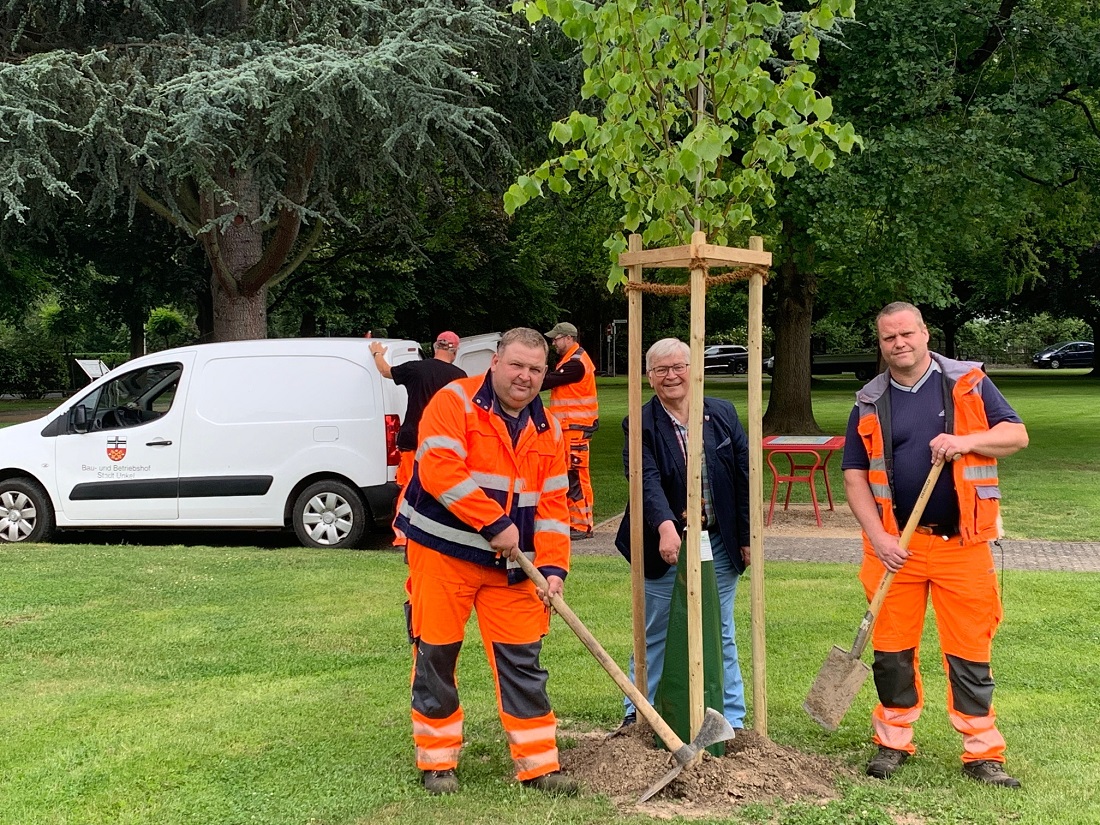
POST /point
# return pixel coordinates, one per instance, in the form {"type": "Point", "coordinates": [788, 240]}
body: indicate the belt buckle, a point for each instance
{"type": "Point", "coordinates": [924, 531]}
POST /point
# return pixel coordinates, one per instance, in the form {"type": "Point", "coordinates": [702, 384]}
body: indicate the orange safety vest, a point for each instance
{"type": "Point", "coordinates": [574, 405]}
{"type": "Point", "coordinates": [469, 483]}
{"type": "Point", "coordinates": [975, 476]}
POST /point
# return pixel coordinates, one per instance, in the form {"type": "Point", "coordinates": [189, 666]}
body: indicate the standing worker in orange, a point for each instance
{"type": "Point", "coordinates": [488, 483]}
{"type": "Point", "coordinates": [572, 385]}
{"type": "Point", "coordinates": [926, 409]}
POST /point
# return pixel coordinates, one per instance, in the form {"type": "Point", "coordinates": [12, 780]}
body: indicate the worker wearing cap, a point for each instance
{"type": "Point", "coordinates": [572, 385]}
{"type": "Point", "coordinates": [421, 379]}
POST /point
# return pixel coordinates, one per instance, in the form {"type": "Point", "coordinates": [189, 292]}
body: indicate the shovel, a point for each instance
{"type": "Point", "coordinates": [843, 673]}
{"type": "Point", "coordinates": [715, 727]}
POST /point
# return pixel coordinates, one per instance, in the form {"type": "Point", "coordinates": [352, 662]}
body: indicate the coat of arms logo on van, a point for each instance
{"type": "Point", "coordinates": [116, 448]}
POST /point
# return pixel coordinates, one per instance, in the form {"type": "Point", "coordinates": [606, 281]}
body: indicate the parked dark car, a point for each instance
{"type": "Point", "coordinates": [726, 358]}
{"type": "Point", "coordinates": [863, 364]}
{"type": "Point", "coordinates": [1065, 354]}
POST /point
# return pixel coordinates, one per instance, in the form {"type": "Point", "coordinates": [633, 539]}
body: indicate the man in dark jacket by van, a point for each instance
{"type": "Point", "coordinates": [422, 380]}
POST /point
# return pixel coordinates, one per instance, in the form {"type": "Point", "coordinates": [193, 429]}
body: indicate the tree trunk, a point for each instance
{"type": "Point", "coordinates": [204, 311]}
{"type": "Point", "coordinates": [950, 339]}
{"type": "Point", "coordinates": [233, 249]}
{"type": "Point", "coordinates": [237, 316]}
{"type": "Point", "coordinates": [790, 411]}
{"type": "Point", "coordinates": [137, 337]}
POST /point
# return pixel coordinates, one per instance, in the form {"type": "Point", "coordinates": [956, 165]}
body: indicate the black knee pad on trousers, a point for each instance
{"type": "Point", "coordinates": [434, 692]}
{"type": "Point", "coordinates": [522, 680]}
{"type": "Point", "coordinates": [574, 493]}
{"type": "Point", "coordinates": [896, 678]}
{"type": "Point", "coordinates": [971, 686]}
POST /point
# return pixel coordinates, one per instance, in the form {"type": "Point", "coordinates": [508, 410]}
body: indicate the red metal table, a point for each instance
{"type": "Point", "coordinates": [806, 456]}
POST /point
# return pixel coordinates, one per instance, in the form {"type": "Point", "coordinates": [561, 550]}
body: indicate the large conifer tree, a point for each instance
{"type": "Point", "coordinates": [239, 121]}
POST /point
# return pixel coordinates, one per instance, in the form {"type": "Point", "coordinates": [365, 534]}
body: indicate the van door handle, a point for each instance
{"type": "Point", "coordinates": [160, 442]}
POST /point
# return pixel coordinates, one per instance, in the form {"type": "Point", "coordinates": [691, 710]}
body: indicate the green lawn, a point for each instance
{"type": "Point", "coordinates": [195, 685]}
{"type": "Point", "coordinates": [1049, 489]}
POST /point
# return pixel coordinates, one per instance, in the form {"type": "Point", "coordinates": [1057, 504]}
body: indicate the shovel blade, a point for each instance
{"type": "Point", "coordinates": [835, 688]}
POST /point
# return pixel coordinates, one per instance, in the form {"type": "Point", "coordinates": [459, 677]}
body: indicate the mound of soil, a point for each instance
{"type": "Point", "coordinates": [754, 769]}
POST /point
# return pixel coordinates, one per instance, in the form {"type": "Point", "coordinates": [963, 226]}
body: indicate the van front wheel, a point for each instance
{"type": "Point", "coordinates": [25, 511]}
{"type": "Point", "coordinates": [329, 514]}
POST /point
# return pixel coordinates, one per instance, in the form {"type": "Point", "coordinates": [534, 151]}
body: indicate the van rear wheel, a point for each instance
{"type": "Point", "coordinates": [25, 511]}
{"type": "Point", "coordinates": [329, 514]}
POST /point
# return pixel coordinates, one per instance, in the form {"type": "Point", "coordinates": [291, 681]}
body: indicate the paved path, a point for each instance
{"type": "Point", "coordinates": [1026, 554]}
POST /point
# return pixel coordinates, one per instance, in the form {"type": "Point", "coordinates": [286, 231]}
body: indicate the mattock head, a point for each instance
{"type": "Point", "coordinates": [715, 728]}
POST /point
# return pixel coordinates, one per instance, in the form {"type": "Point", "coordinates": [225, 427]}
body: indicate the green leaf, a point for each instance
{"type": "Point", "coordinates": [514, 199]}
{"type": "Point", "coordinates": [846, 137]}
{"type": "Point", "coordinates": [823, 108]}
{"type": "Point", "coordinates": [561, 132]}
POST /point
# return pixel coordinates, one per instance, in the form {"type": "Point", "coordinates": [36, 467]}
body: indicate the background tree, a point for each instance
{"type": "Point", "coordinates": [168, 326]}
{"type": "Point", "coordinates": [978, 129]}
{"type": "Point", "coordinates": [239, 122]}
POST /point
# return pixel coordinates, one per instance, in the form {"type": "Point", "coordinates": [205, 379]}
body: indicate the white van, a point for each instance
{"type": "Point", "coordinates": [257, 434]}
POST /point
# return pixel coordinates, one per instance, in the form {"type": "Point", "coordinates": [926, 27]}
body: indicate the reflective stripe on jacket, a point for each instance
{"type": "Point", "coordinates": [574, 405]}
{"type": "Point", "coordinates": [975, 476]}
{"type": "Point", "coordinates": [469, 483]}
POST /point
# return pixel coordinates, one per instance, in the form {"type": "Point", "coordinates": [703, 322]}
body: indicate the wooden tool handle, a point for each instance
{"type": "Point", "coordinates": [865, 626]}
{"type": "Point", "coordinates": [659, 725]}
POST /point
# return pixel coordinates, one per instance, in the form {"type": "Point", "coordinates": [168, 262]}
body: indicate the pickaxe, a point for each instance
{"type": "Point", "coordinates": [715, 728]}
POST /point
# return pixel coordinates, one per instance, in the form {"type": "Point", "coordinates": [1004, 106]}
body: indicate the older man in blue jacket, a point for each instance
{"type": "Point", "coordinates": [664, 505]}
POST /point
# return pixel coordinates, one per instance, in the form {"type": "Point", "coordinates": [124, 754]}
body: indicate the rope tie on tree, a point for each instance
{"type": "Point", "coordinates": [739, 274]}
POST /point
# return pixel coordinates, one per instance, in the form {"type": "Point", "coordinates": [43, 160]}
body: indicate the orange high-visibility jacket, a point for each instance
{"type": "Point", "coordinates": [975, 476]}
{"type": "Point", "coordinates": [574, 405]}
{"type": "Point", "coordinates": [469, 483]}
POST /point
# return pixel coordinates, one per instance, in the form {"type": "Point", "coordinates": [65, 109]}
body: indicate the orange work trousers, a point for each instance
{"type": "Point", "coordinates": [962, 583]}
{"type": "Point", "coordinates": [579, 496]}
{"type": "Point", "coordinates": [512, 621]}
{"type": "Point", "coordinates": [403, 476]}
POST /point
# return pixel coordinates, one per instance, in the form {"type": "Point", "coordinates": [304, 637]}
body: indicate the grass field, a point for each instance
{"type": "Point", "coordinates": [193, 685]}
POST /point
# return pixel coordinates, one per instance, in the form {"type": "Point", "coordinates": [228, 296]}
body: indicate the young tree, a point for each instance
{"type": "Point", "coordinates": [704, 103]}
{"type": "Point", "coordinates": [239, 121]}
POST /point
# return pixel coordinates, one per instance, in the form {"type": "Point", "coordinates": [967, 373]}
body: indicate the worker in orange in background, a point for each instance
{"type": "Point", "coordinates": [488, 483]}
{"type": "Point", "coordinates": [572, 385]}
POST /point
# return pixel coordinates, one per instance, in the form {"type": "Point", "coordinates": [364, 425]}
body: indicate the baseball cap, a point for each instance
{"type": "Point", "coordinates": [562, 328]}
{"type": "Point", "coordinates": [447, 339]}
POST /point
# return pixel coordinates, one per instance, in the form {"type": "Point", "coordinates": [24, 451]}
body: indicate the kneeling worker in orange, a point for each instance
{"type": "Point", "coordinates": [489, 482]}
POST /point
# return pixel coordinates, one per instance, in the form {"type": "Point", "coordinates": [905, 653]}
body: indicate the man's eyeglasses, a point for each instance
{"type": "Point", "coordinates": [675, 369]}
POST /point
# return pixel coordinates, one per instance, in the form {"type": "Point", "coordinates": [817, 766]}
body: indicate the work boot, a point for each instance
{"type": "Point", "coordinates": [885, 762]}
{"type": "Point", "coordinates": [991, 773]}
{"type": "Point", "coordinates": [580, 535]}
{"type": "Point", "coordinates": [438, 783]}
{"type": "Point", "coordinates": [628, 722]}
{"type": "Point", "coordinates": [556, 783]}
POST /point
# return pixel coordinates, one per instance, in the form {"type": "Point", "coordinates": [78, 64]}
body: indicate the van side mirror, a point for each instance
{"type": "Point", "coordinates": [78, 419]}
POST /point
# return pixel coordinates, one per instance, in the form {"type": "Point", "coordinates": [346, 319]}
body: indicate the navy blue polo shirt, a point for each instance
{"type": "Point", "coordinates": [917, 416]}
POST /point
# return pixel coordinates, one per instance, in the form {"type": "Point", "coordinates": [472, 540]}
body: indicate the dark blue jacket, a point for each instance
{"type": "Point", "coordinates": [664, 480]}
